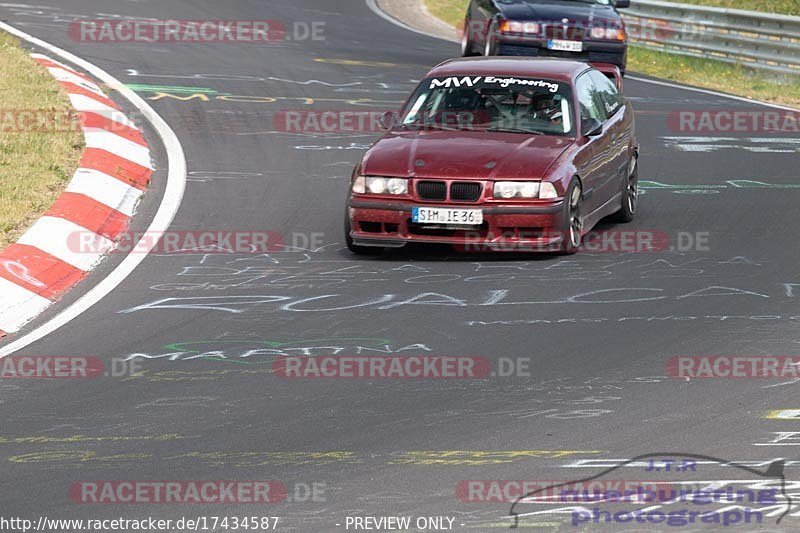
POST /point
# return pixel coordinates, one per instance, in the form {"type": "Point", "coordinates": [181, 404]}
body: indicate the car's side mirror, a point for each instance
{"type": "Point", "coordinates": [591, 127]}
{"type": "Point", "coordinates": [388, 120]}
{"type": "Point", "coordinates": [619, 4]}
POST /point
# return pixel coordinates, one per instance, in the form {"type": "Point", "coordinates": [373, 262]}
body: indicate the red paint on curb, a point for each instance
{"type": "Point", "coordinates": [101, 122]}
{"type": "Point", "coordinates": [38, 271]}
{"type": "Point", "coordinates": [53, 64]}
{"type": "Point", "coordinates": [90, 214]}
{"type": "Point", "coordinates": [41, 274]}
{"type": "Point", "coordinates": [116, 166]}
{"type": "Point", "coordinates": [73, 88]}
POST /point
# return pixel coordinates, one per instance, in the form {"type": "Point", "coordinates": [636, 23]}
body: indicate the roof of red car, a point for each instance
{"type": "Point", "coordinates": [554, 69]}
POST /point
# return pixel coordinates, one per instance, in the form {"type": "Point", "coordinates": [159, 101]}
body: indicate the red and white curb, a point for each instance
{"type": "Point", "coordinates": [112, 175]}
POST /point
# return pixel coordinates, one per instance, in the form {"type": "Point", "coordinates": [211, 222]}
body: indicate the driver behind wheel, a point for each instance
{"type": "Point", "coordinates": [547, 107]}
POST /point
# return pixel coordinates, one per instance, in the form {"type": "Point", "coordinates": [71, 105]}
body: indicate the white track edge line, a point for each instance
{"type": "Point", "coordinates": [170, 203]}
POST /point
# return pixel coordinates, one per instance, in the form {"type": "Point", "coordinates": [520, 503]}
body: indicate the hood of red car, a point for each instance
{"type": "Point", "coordinates": [464, 155]}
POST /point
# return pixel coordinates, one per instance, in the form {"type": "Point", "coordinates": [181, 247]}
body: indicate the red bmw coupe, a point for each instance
{"type": "Point", "coordinates": [499, 154]}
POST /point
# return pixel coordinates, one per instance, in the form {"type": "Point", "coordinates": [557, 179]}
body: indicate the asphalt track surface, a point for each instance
{"type": "Point", "coordinates": [597, 327]}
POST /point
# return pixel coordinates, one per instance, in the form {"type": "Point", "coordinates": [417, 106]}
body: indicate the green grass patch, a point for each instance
{"type": "Point", "coordinates": [35, 166]}
{"type": "Point", "coordinates": [450, 11]}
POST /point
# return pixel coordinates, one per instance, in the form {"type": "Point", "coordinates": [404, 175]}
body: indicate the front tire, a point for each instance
{"type": "Point", "coordinates": [630, 193]}
{"type": "Point", "coordinates": [490, 48]}
{"type": "Point", "coordinates": [467, 44]}
{"type": "Point", "coordinates": [572, 222]}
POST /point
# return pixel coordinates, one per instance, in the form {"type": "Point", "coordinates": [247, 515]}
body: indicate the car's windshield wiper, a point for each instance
{"type": "Point", "coordinates": [515, 130]}
{"type": "Point", "coordinates": [424, 125]}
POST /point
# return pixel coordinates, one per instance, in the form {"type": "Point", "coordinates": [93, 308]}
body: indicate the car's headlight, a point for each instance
{"type": "Point", "coordinates": [380, 185]}
{"type": "Point", "coordinates": [508, 190]}
{"type": "Point", "coordinates": [360, 185]}
{"type": "Point", "coordinates": [516, 189]}
{"type": "Point", "coordinates": [511, 26]}
{"type": "Point", "coordinates": [547, 191]}
{"type": "Point", "coordinates": [608, 34]}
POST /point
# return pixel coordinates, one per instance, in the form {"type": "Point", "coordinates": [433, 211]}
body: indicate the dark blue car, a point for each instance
{"type": "Point", "coordinates": [580, 30]}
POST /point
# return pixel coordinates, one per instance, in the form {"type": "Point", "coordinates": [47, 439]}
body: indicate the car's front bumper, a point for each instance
{"type": "Point", "coordinates": [614, 53]}
{"type": "Point", "coordinates": [504, 228]}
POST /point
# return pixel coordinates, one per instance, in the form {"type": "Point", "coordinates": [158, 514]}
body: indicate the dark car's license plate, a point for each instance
{"type": "Point", "coordinates": [565, 46]}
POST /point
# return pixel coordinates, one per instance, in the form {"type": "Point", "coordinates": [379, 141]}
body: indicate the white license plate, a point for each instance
{"type": "Point", "coordinates": [443, 215]}
{"type": "Point", "coordinates": [565, 46]}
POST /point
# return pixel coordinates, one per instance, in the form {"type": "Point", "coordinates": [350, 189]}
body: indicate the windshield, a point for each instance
{"type": "Point", "coordinates": [489, 103]}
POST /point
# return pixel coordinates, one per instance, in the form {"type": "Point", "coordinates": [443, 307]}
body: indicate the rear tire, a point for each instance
{"type": "Point", "coordinates": [356, 249]}
{"type": "Point", "coordinates": [630, 193]}
{"type": "Point", "coordinates": [572, 225]}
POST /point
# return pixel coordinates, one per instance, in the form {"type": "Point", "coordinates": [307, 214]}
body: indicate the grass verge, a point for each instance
{"type": "Point", "coordinates": [706, 73]}
{"type": "Point", "coordinates": [716, 75]}
{"type": "Point", "coordinates": [450, 11]}
{"type": "Point", "coordinates": [34, 165]}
